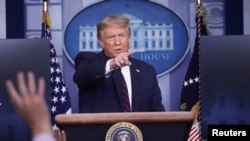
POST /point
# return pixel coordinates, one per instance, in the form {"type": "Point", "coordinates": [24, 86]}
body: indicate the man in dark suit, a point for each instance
{"type": "Point", "coordinates": [98, 75]}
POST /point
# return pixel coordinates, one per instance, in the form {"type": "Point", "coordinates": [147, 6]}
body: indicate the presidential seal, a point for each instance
{"type": "Point", "coordinates": [123, 131]}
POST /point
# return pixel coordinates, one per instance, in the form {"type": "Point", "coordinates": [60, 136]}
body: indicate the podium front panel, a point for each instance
{"type": "Point", "coordinates": [158, 126]}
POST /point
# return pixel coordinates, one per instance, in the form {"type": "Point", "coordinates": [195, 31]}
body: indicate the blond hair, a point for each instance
{"type": "Point", "coordinates": [114, 20]}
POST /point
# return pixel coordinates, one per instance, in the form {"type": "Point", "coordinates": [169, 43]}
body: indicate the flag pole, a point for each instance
{"type": "Point", "coordinates": [198, 45]}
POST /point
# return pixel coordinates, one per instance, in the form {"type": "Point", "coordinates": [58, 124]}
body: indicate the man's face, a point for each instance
{"type": "Point", "coordinates": [115, 40]}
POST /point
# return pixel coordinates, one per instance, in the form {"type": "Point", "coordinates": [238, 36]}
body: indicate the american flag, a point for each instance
{"type": "Point", "coordinates": [60, 98]}
{"type": "Point", "coordinates": [195, 133]}
{"type": "Point", "coordinates": [190, 96]}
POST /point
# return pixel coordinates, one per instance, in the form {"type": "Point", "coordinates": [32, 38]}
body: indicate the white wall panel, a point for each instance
{"type": "Point", "coordinates": [246, 18]}
{"type": "Point", "coordinates": [2, 19]}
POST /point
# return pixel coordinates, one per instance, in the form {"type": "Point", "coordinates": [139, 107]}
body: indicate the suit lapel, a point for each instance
{"type": "Point", "coordinates": [135, 72]}
{"type": "Point", "coordinates": [118, 85]}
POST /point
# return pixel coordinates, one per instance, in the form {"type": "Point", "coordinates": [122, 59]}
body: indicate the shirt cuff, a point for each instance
{"type": "Point", "coordinates": [107, 69]}
{"type": "Point", "coordinates": [44, 137]}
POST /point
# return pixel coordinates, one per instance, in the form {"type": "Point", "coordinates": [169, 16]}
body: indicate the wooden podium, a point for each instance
{"type": "Point", "coordinates": [153, 126]}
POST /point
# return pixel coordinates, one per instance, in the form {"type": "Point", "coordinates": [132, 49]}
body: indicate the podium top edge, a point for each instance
{"type": "Point", "coordinates": [134, 117]}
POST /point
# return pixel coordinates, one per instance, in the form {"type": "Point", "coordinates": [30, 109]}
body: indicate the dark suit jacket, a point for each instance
{"type": "Point", "coordinates": [98, 94]}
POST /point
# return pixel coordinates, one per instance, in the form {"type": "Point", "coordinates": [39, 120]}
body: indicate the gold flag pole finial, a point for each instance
{"type": "Point", "coordinates": [199, 1]}
{"type": "Point", "coordinates": [45, 5]}
{"type": "Point", "coordinates": [45, 15]}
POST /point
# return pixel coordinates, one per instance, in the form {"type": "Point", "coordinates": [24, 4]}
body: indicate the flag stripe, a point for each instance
{"type": "Point", "coordinates": [194, 135]}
